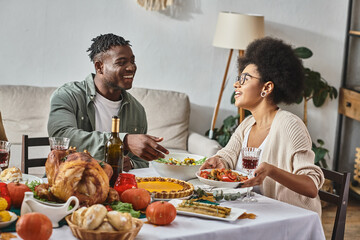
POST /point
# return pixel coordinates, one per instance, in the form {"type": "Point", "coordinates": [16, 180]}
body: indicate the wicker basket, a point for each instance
{"type": "Point", "coordinates": [85, 234]}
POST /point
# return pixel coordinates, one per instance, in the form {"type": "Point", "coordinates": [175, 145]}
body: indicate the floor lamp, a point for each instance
{"type": "Point", "coordinates": [234, 31]}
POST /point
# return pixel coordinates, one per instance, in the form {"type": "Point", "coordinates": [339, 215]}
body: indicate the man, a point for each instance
{"type": "Point", "coordinates": [82, 111]}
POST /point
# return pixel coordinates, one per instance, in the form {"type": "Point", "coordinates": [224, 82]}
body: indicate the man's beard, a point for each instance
{"type": "Point", "coordinates": [113, 85]}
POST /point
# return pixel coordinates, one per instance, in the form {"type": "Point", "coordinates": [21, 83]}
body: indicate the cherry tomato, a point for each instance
{"type": "Point", "coordinates": [204, 174]}
{"type": "Point", "coordinates": [108, 208]}
{"type": "Point", "coordinates": [232, 176]}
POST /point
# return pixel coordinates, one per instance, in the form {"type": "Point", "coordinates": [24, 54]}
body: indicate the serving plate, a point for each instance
{"type": "Point", "coordinates": [210, 189]}
{"type": "Point", "coordinates": [28, 178]}
{"type": "Point", "coordinates": [234, 214]}
{"type": "Point", "coordinates": [219, 184]}
{"type": "Point", "coordinates": [13, 218]}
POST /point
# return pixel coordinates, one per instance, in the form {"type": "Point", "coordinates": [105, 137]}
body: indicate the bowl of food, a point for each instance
{"type": "Point", "coordinates": [181, 166]}
{"type": "Point", "coordinates": [221, 178]}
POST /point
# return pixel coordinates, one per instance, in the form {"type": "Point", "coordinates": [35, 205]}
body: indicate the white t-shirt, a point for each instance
{"type": "Point", "coordinates": [239, 162]}
{"type": "Point", "coordinates": [104, 110]}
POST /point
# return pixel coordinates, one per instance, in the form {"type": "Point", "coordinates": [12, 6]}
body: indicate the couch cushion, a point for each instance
{"type": "Point", "coordinates": [25, 110]}
{"type": "Point", "coordinates": [168, 114]}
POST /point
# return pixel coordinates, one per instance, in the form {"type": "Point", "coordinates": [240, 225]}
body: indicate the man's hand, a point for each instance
{"type": "Point", "coordinates": [213, 162]}
{"type": "Point", "coordinates": [127, 164]}
{"type": "Point", "coordinates": [145, 146]}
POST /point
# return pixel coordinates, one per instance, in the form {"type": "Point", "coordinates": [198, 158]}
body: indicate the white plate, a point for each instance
{"type": "Point", "coordinates": [234, 214]}
{"type": "Point", "coordinates": [219, 184]}
{"type": "Point", "coordinates": [210, 189]}
{"type": "Point", "coordinates": [13, 218]}
{"type": "Point", "coordinates": [28, 178]}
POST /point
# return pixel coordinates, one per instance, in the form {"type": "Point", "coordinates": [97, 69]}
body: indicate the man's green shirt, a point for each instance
{"type": "Point", "coordinates": [72, 115]}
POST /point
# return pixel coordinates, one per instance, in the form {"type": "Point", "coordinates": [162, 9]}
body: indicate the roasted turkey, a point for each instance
{"type": "Point", "coordinates": [77, 174]}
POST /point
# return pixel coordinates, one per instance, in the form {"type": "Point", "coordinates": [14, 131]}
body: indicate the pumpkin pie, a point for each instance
{"type": "Point", "coordinates": [165, 188]}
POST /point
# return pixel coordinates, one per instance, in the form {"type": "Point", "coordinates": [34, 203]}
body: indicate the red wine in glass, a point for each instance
{"type": "Point", "coordinates": [59, 148]}
{"type": "Point", "coordinates": [250, 162]}
{"type": "Point", "coordinates": [4, 159]}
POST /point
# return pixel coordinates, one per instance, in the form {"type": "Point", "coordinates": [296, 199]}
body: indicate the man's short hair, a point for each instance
{"type": "Point", "coordinates": [104, 42]}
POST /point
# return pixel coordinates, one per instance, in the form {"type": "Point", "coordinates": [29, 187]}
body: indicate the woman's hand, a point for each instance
{"type": "Point", "coordinates": [213, 162]}
{"type": "Point", "coordinates": [261, 172]}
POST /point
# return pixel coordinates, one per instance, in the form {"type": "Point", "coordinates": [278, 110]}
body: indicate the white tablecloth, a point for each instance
{"type": "Point", "coordinates": [275, 220]}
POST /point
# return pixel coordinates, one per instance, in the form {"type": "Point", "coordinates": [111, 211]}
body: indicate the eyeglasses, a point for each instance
{"type": "Point", "coordinates": [244, 77]}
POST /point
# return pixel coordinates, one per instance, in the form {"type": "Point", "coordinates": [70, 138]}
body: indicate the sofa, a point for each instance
{"type": "Point", "coordinates": [25, 110]}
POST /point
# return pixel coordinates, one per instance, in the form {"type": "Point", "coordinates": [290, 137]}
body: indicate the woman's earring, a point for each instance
{"type": "Point", "coordinates": [263, 94]}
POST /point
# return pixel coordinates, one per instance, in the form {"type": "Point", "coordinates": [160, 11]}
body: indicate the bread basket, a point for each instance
{"type": "Point", "coordinates": [85, 234]}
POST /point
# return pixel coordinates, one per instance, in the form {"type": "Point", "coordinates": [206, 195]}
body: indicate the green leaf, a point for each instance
{"type": "Point", "coordinates": [321, 142]}
{"type": "Point", "coordinates": [319, 98]}
{"type": "Point", "coordinates": [232, 99]}
{"type": "Point", "coordinates": [303, 52]}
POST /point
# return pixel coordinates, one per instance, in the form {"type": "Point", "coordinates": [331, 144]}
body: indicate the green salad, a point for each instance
{"type": "Point", "coordinates": [125, 207]}
{"type": "Point", "coordinates": [187, 161]}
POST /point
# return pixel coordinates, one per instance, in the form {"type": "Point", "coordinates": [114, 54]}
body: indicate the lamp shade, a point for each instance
{"type": "Point", "coordinates": [236, 31]}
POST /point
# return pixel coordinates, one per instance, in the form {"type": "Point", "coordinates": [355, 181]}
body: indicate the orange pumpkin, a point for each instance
{"type": "Point", "coordinates": [161, 213]}
{"type": "Point", "coordinates": [34, 226]}
{"type": "Point", "coordinates": [139, 198]}
{"type": "Point", "coordinates": [17, 192]}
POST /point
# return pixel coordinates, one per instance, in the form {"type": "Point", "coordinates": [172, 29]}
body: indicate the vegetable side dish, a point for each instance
{"type": "Point", "coordinates": [225, 175]}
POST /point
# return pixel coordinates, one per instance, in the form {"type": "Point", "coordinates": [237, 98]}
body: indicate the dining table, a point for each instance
{"type": "Point", "coordinates": [274, 220]}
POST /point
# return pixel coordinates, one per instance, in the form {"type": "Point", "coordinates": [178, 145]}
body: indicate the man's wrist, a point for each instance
{"type": "Point", "coordinates": [132, 164]}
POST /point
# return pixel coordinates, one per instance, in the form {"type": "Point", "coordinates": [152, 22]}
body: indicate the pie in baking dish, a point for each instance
{"type": "Point", "coordinates": [165, 188]}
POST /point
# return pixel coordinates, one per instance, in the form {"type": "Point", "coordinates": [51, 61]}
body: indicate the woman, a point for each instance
{"type": "Point", "coordinates": [271, 74]}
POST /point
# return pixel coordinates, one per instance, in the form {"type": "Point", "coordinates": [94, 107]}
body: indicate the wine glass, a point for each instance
{"type": "Point", "coordinates": [250, 160]}
{"type": "Point", "coordinates": [4, 154]}
{"type": "Point", "coordinates": [59, 143]}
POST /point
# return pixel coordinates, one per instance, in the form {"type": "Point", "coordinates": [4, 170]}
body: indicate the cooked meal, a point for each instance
{"type": "Point", "coordinates": [203, 208]}
{"type": "Point", "coordinates": [186, 161]}
{"type": "Point", "coordinates": [225, 175]}
{"type": "Point", "coordinates": [72, 173]}
{"type": "Point", "coordinates": [165, 187]}
{"type": "Point", "coordinates": [12, 174]}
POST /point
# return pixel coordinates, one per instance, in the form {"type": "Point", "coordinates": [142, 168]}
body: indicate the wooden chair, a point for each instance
{"type": "Point", "coordinates": [341, 183]}
{"type": "Point", "coordinates": [27, 162]}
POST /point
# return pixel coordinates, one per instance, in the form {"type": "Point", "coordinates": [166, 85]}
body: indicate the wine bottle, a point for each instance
{"type": "Point", "coordinates": [114, 150]}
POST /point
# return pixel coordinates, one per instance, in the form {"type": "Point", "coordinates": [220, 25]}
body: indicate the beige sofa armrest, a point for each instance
{"type": "Point", "coordinates": [202, 145]}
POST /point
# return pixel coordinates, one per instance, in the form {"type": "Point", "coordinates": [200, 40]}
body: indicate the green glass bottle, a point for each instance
{"type": "Point", "coordinates": [114, 153]}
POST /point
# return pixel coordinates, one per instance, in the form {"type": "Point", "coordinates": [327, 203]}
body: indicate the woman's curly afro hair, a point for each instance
{"type": "Point", "coordinates": [276, 62]}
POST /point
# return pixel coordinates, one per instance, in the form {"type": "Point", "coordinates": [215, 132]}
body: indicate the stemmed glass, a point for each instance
{"type": "Point", "coordinates": [4, 154]}
{"type": "Point", "coordinates": [59, 143]}
{"type": "Point", "coordinates": [250, 160]}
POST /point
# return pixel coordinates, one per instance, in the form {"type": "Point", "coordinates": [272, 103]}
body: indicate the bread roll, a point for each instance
{"type": "Point", "coordinates": [94, 216]}
{"type": "Point", "coordinates": [78, 216]}
{"type": "Point", "coordinates": [120, 221]}
{"type": "Point", "coordinates": [106, 227]}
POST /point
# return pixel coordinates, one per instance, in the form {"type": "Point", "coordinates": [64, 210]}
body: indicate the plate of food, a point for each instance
{"type": "Point", "coordinates": [204, 210]}
{"type": "Point", "coordinates": [14, 174]}
{"type": "Point", "coordinates": [221, 178]}
{"type": "Point", "coordinates": [7, 223]}
{"type": "Point", "coordinates": [181, 166]}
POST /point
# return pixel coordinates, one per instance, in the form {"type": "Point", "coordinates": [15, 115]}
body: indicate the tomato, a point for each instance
{"type": "Point", "coordinates": [109, 208]}
{"type": "Point", "coordinates": [225, 178]}
{"type": "Point", "coordinates": [204, 174]}
{"type": "Point", "coordinates": [4, 193]}
{"type": "Point", "coordinates": [232, 176]}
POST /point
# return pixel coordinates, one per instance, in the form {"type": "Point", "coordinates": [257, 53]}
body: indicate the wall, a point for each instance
{"type": "Point", "coordinates": [44, 43]}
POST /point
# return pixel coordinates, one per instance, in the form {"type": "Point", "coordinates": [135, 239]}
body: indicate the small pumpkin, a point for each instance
{"type": "Point", "coordinates": [34, 226]}
{"type": "Point", "coordinates": [138, 197]}
{"type": "Point", "coordinates": [161, 213]}
{"type": "Point", "coordinates": [17, 192]}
